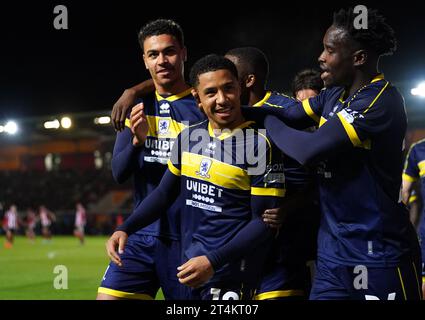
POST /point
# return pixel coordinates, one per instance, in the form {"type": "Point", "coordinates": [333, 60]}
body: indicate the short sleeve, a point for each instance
{"type": "Point", "coordinates": [411, 170]}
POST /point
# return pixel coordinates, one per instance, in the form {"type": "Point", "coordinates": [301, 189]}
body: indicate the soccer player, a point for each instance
{"type": "Point", "coordinates": [80, 222]}
{"type": "Point", "coordinates": [286, 275]}
{"type": "Point", "coordinates": [141, 151]}
{"type": "Point", "coordinates": [414, 171]}
{"type": "Point", "coordinates": [222, 229]}
{"type": "Point", "coordinates": [367, 247]}
{"type": "Point", "coordinates": [307, 84]}
{"type": "Point", "coordinates": [30, 223]}
{"type": "Point", "coordinates": [11, 225]}
{"type": "Point", "coordinates": [46, 219]}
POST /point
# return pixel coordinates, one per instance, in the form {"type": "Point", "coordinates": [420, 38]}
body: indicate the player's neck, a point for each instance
{"type": "Point", "coordinates": [172, 89]}
{"type": "Point", "coordinates": [230, 126]}
{"type": "Point", "coordinates": [256, 95]}
{"type": "Point", "coordinates": [361, 79]}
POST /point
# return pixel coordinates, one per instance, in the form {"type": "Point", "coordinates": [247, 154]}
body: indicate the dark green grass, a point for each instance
{"type": "Point", "coordinates": [27, 269]}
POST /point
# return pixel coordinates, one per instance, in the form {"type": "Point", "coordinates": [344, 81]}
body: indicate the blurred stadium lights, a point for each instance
{"type": "Point", "coordinates": [11, 127]}
{"type": "Point", "coordinates": [102, 120]}
{"type": "Point", "coordinates": [419, 90]}
{"type": "Point", "coordinates": [1, 129]}
{"type": "Point", "coordinates": [66, 122]}
{"type": "Point", "coordinates": [54, 124]}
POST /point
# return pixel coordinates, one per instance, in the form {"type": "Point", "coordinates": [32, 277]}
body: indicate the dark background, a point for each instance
{"type": "Point", "coordinates": [45, 71]}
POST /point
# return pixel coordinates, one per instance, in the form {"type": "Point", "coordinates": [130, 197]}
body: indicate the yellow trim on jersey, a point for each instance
{"type": "Point", "coordinates": [173, 169]}
{"type": "Point", "coordinates": [272, 192]}
{"type": "Point", "coordinates": [412, 198]}
{"type": "Point", "coordinates": [268, 142]}
{"type": "Point", "coordinates": [376, 98]}
{"type": "Point", "coordinates": [125, 295]}
{"type": "Point", "coordinates": [262, 101]}
{"type": "Point", "coordinates": [309, 110]}
{"type": "Point", "coordinates": [226, 133]}
{"type": "Point", "coordinates": [417, 280]}
{"type": "Point", "coordinates": [402, 283]}
{"type": "Point", "coordinates": [128, 123]}
{"type": "Point", "coordinates": [279, 294]}
{"type": "Point", "coordinates": [173, 97]}
{"type": "Point", "coordinates": [272, 105]}
{"type": "Point", "coordinates": [378, 77]}
{"type": "Point", "coordinates": [322, 121]}
{"type": "Point", "coordinates": [421, 166]}
{"type": "Point", "coordinates": [219, 173]}
{"type": "Point", "coordinates": [351, 132]}
{"type": "Point", "coordinates": [408, 178]}
{"type": "Point", "coordinates": [174, 127]}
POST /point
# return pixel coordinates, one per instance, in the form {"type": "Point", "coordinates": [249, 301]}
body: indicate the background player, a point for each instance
{"type": "Point", "coordinates": [47, 217]}
{"type": "Point", "coordinates": [80, 222]}
{"type": "Point", "coordinates": [413, 173]}
{"type": "Point", "coordinates": [11, 225]}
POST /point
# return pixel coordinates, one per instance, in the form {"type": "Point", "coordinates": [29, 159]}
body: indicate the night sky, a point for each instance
{"type": "Point", "coordinates": [45, 71]}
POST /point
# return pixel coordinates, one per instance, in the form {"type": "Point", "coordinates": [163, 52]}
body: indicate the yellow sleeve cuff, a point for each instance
{"type": "Point", "coordinates": [309, 110]}
{"type": "Point", "coordinates": [272, 192]}
{"type": "Point", "coordinates": [173, 169]}
{"type": "Point", "coordinates": [406, 177]}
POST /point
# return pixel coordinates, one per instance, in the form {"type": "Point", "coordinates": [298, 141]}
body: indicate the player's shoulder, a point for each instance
{"type": "Point", "coordinates": [419, 145]}
{"type": "Point", "coordinates": [279, 99]}
{"type": "Point", "coordinates": [257, 129]}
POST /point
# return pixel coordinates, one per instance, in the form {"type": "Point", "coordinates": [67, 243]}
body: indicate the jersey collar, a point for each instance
{"type": "Point", "coordinates": [262, 101]}
{"type": "Point", "coordinates": [173, 97]}
{"type": "Point", "coordinates": [227, 133]}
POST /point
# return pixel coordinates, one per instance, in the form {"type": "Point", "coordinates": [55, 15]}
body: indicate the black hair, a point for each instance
{"type": "Point", "coordinates": [211, 62]}
{"type": "Point", "coordinates": [379, 36]}
{"type": "Point", "coordinates": [254, 61]}
{"type": "Point", "coordinates": [307, 79]}
{"type": "Point", "coordinates": [161, 26]}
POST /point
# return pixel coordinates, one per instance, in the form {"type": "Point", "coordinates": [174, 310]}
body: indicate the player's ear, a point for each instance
{"type": "Point", "coordinates": [359, 58]}
{"type": "Point", "coordinates": [250, 80]}
{"type": "Point", "coordinates": [196, 96]}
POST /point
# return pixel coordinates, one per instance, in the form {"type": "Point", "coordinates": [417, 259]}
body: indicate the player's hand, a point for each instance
{"type": "Point", "coordinates": [139, 124]}
{"type": "Point", "coordinates": [274, 218]}
{"type": "Point", "coordinates": [195, 272]}
{"type": "Point", "coordinates": [117, 240]}
{"type": "Point", "coordinates": [120, 108]}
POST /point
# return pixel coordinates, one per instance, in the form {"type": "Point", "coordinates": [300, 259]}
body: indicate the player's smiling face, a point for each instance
{"type": "Point", "coordinates": [219, 97]}
{"type": "Point", "coordinates": [336, 60]}
{"type": "Point", "coordinates": [164, 58]}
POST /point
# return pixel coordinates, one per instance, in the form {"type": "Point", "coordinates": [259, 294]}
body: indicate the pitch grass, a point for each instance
{"type": "Point", "coordinates": [27, 269]}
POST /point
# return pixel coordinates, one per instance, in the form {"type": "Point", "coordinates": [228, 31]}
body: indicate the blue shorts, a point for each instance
{"type": "Point", "coordinates": [338, 282]}
{"type": "Point", "coordinates": [149, 263]}
{"type": "Point", "coordinates": [284, 282]}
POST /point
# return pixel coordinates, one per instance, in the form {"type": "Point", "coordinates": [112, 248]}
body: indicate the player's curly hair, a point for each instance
{"type": "Point", "coordinates": [211, 62]}
{"type": "Point", "coordinates": [379, 36]}
{"type": "Point", "coordinates": [161, 26]}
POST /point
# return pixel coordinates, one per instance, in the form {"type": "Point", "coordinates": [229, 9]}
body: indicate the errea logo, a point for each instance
{"type": "Point", "coordinates": [164, 108]}
{"type": "Point", "coordinates": [204, 168]}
